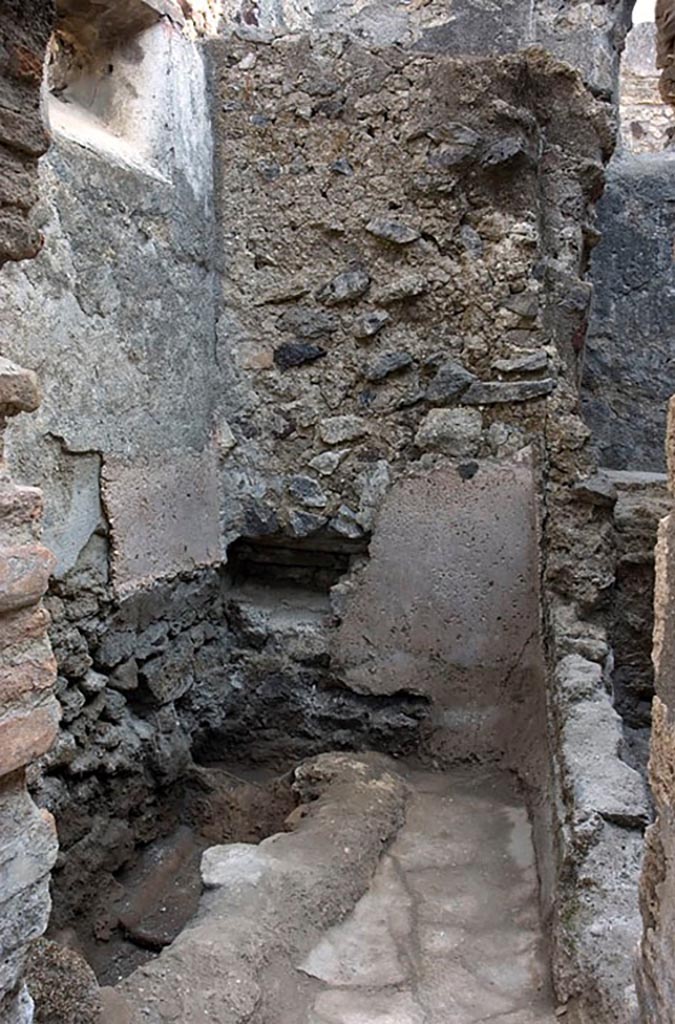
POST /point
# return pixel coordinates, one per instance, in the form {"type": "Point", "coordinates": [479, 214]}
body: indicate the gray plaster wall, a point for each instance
{"type": "Point", "coordinates": [448, 605]}
{"type": "Point", "coordinates": [629, 367]}
{"type": "Point", "coordinates": [117, 318]}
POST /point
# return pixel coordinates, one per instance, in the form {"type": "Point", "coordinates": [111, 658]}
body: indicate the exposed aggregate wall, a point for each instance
{"type": "Point", "coordinates": [384, 281]}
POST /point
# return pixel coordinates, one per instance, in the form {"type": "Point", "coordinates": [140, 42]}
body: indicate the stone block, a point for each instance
{"type": "Point", "coordinates": [528, 362]}
{"type": "Point", "coordinates": [601, 782]}
{"type": "Point", "coordinates": [26, 736]}
{"type": "Point", "coordinates": [24, 917]}
{"type": "Point", "coordinates": [29, 844]}
{"type": "Point", "coordinates": [24, 575]}
{"type": "Point", "coordinates": [451, 380]}
{"type": "Point", "coordinates": [503, 393]}
{"type": "Point", "coordinates": [307, 491]}
{"type": "Point", "coordinates": [392, 231]}
{"type": "Point", "coordinates": [577, 679]}
{"type": "Point", "coordinates": [455, 432]}
{"type": "Point", "coordinates": [366, 326]}
{"type": "Point", "coordinates": [23, 626]}
{"type": "Point", "coordinates": [26, 671]}
{"type": "Point", "coordinates": [452, 580]}
{"type": "Point", "coordinates": [23, 131]}
{"type": "Point", "coordinates": [388, 364]}
{"type": "Point", "coordinates": [670, 446]}
{"type": "Point", "coordinates": [297, 353]}
{"type": "Point", "coordinates": [304, 524]}
{"type": "Point", "coordinates": [308, 323]}
{"type": "Point", "coordinates": [338, 429]}
{"type": "Point", "coordinates": [663, 653]}
{"type": "Point", "coordinates": [344, 288]}
{"type": "Point", "coordinates": [20, 507]}
{"type": "Point", "coordinates": [170, 675]}
{"type": "Point", "coordinates": [19, 389]}
{"type": "Point", "coordinates": [597, 490]}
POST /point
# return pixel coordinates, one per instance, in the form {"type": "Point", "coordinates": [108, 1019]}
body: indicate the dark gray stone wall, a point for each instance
{"type": "Point", "coordinates": [629, 373]}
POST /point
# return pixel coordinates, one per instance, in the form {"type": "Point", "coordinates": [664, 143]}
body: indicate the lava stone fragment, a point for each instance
{"type": "Point", "coordinates": [259, 520]}
{"type": "Point", "coordinates": [504, 151]}
{"type": "Point", "coordinates": [528, 362]}
{"type": "Point", "coordinates": [388, 364]}
{"type": "Point", "coordinates": [498, 393]}
{"type": "Point", "coordinates": [296, 353]}
{"type": "Point", "coordinates": [307, 323]}
{"type": "Point", "coordinates": [449, 383]}
{"type": "Point", "coordinates": [342, 166]}
{"type": "Point", "coordinates": [304, 524]}
{"type": "Point", "coordinates": [524, 304]}
{"type": "Point", "coordinates": [348, 286]}
{"type": "Point", "coordinates": [370, 324]}
{"type": "Point", "coordinates": [392, 231]}
{"type": "Point", "coordinates": [307, 491]}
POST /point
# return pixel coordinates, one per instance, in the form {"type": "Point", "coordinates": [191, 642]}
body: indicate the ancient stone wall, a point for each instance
{"type": "Point", "coordinates": [586, 36]}
{"type": "Point", "coordinates": [405, 294]}
{"type": "Point", "coordinates": [656, 966]}
{"type": "Point", "coordinates": [628, 353]}
{"type": "Point", "coordinates": [117, 317]}
{"type": "Point", "coordinates": [386, 300]}
{"type": "Point", "coordinates": [407, 324]}
{"type": "Point", "coordinates": [29, 714]}
{"type": "Point", "coordinates": [645, 118]}
{"type": "Point", "coordinates": [642, 501]}
{"type": "Point", "coordinates": [24, 34]}
{"type": "Point", "coordinates": [665, 38]}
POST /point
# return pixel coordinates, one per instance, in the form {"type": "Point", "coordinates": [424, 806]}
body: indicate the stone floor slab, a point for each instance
{"type": "Point", "coordinates": [449, 931]}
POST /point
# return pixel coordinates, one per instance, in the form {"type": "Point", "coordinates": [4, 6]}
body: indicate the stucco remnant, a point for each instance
{"type": "Point", "coordinates": [452, 548]}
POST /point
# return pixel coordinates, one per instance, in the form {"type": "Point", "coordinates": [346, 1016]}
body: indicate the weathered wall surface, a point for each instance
{"type": "Point", "coordinates": [665, 38]}
{"type": "Point", "coordinates": [23, 35]}
{"type": "Point", "coordinates": [411, 320]}
{"type": "Point", "coordinates": [400, 252]}
{"type": "Point", "coordinates": [405, 292]}
{"type": "Point", "coordinates": [587, 36]}
{"type": "Point", "coordinates": [29, 714]}
{"type": "Point", "coordinates": [628, 363]}
{"type": "Point", "coordinates": [645, 118]}
{"type": "Point", "coordinates": [448, 605]}
{"type": "Point", "coordinates": [642, 501]}
{"type": "Point", "coordinates": [656, 966]}
{"type": "Point", "coordinates": [116, 315]}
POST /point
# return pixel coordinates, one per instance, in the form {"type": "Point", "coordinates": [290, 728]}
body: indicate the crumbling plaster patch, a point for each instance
{"type": "Point", "coordinates": [117, 314]}
{"type": "Point", "coordinates": [448, 605]}
{"type": "Point", "coordinates": [164, 516]}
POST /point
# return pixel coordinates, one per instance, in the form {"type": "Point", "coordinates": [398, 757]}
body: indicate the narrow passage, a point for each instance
{"type": "Point", "coordinates": [449, 931]}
